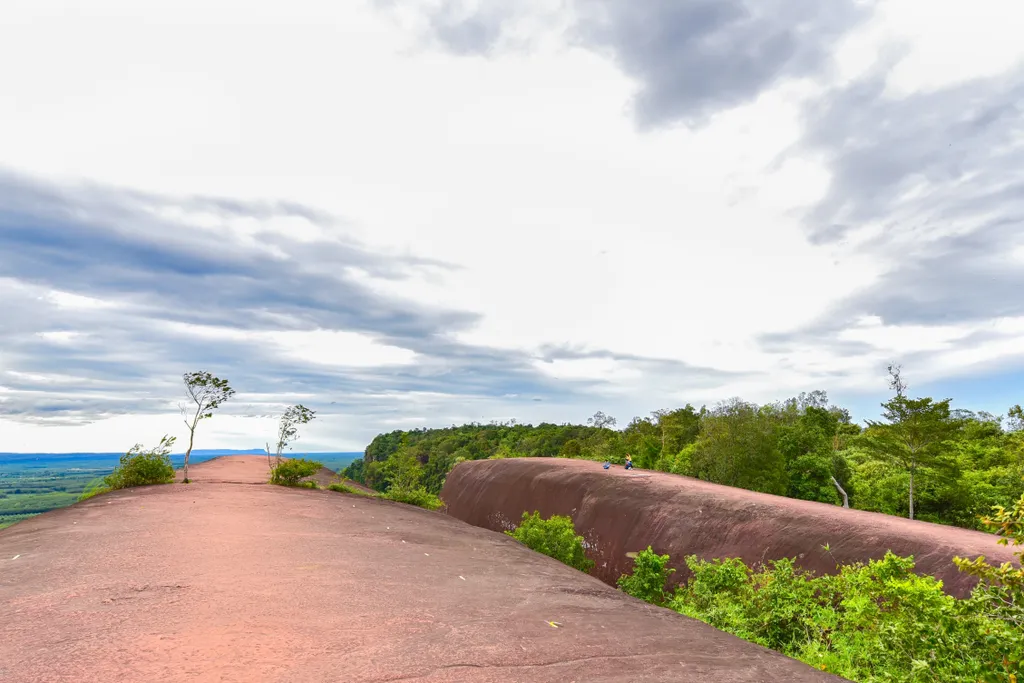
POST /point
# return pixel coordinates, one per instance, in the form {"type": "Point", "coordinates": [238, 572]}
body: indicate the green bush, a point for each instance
{"type": "Point", "coordinates": [871, 623]}
{"type": "Point", "coordinates": [555, 537]}
{"type": "Point", "coordinates": [138, 468]}
{"type": "Point", "coordinates": [290, 472]}
{"type": "Point", "coordinates": [647, 581]}
{"type": "Point", "coordinates": [414, 496]}
{"type": "Point", "coordinates": [1001, 589]}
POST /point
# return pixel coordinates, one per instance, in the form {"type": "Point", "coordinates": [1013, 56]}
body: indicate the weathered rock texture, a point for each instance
{"type": "Point", "coordinates": [231, 579]}
{"type": "Point", "coordinates": [620, 512]}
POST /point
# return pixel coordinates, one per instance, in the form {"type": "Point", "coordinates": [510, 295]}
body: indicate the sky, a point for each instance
{"type": "Point", "coordinates": [408, 214]}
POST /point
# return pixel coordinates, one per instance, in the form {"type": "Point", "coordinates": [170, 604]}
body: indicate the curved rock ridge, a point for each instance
{"type": "Point", "coordinates": [619, 512]}
{"type": "Point", "coordinates": [247, 582]}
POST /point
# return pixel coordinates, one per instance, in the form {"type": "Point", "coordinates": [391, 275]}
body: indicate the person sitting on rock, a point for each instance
{"type": "Point", "coordinates": [629, 461]}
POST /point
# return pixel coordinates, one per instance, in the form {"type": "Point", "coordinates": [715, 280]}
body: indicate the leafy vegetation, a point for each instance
{"type": "Point", "coordinates": [877, 622]}
{"type": "Point", "coordinates": [414, 496]}
{"type": "Point", "coordinates": [343, 486]}
{"type": "Point", "coordinates": [555, 537]}
{"type": "Point", "coordinates": [648, 578]}
{"type": "Point", "coordinates": [871, 623]}
{"type": "Point", "coordinates": [138, 467]}
{"type": "Point", "coordinates": [292, 471]}
{"type": "Point", "coordinates": [1002, 587]}
{"type": "Point", "coordinates": [922, 459]}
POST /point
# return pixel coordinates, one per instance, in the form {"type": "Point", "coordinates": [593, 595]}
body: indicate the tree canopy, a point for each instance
{"type": "Point", "coordinates": [921, 458]}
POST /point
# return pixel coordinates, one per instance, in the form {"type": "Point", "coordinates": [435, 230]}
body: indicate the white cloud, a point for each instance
{"type": "Point", "coordinates": [323, 347]}
{"type": "Point", "coordinates": [524, 169]}
{"type": "Point", "coordinates": [938, 45]}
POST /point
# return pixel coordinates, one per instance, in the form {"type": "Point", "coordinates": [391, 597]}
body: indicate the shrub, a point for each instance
{"type": "Point", "coordinates": [138, 468]}
{"type": "Point", "coordinates": [647, 581]}
{"type": "Point", "coordinates": [290, 472]}
{"type": "Point", "coordinates": [555, 537]}
{"type": "Point", "coordinates": [571, 449]}
{"type": "Point", "coordinates": [869, 623]}
{"type": "Point", "coordinates": [414, 496]}
{"type": "Point", "coordinates": [1001, 588]}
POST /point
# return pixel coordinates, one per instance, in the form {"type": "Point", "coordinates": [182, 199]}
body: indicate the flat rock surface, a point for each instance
{"type": "Point", "coordinates": [621, 512]}
{"type": "Point", "coordinates": [230, 579]}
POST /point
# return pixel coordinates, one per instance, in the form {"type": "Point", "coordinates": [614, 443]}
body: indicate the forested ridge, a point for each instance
{"type": "Point", "coordinates": [921, 458]}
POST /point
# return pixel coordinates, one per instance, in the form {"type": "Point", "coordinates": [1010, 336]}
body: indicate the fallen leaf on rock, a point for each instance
{"type": "Point", "coordinates": [463, 578]}
{"type": "Point", "coordinates": [555, 624]}
{"type": "Point", "coordinates": [15, 557]}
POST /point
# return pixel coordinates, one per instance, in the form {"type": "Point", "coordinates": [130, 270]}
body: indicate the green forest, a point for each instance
{"type": "Point", "coordinates": [921, 458]}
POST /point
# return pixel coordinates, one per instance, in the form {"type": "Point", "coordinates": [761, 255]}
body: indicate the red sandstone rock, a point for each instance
{"type": "Point", "coordinates": [621, 511]}
{"type": "Point", "coordinates": [231, 579]}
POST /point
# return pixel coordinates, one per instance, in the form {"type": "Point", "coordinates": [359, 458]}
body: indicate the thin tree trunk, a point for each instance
{"type": "Point", "coordinates": [191, 439]}
{"type": "Point", "coordinates": [846, 499]}
{"type": "Point", "coordinates": [911, 494]}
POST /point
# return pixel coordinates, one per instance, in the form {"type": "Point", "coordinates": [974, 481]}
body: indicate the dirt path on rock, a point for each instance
{"type": "Point", "coordinates": [230, 579]}
{"type": "Point", "coordinates": [253, 469]}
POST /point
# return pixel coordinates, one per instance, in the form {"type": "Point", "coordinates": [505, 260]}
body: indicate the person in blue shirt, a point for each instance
{"type": "Point", "coordinates": [629, 461]}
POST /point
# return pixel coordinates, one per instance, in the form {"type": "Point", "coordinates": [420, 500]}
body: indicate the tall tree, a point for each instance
{"type": "Point", "coordinates": [679, 428]}
{"type": "Point", "coordinates": [601, 421]}
{"type": "Point", "coordinates": [738, 446]}
{"type": "Point", "coordinates": [913, 433]}
{"type": "Point", "coordinates": [1016, 418]}
{"type": "Point", "coordinates": [206, 393]}
{"type": "Point", "coordinates": [642, 440]}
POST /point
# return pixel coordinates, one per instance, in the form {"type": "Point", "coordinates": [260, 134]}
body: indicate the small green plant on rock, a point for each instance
{"type": "Point", "coordinates": [343, 485]}
{"type": "Point", "coordinates": [419, 497]}
{"type": "Point", "coordinates": [292, 471]}
{"type": "Point", "coordinates": [649, 576]}
{"type": "Point", "coordinates": [555, 537]}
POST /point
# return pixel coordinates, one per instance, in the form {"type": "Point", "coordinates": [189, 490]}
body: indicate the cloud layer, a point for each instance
{"type": "Point", "coordinates": [433, 211]}
{"type": "Point", "coordinates": [109, 295]}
